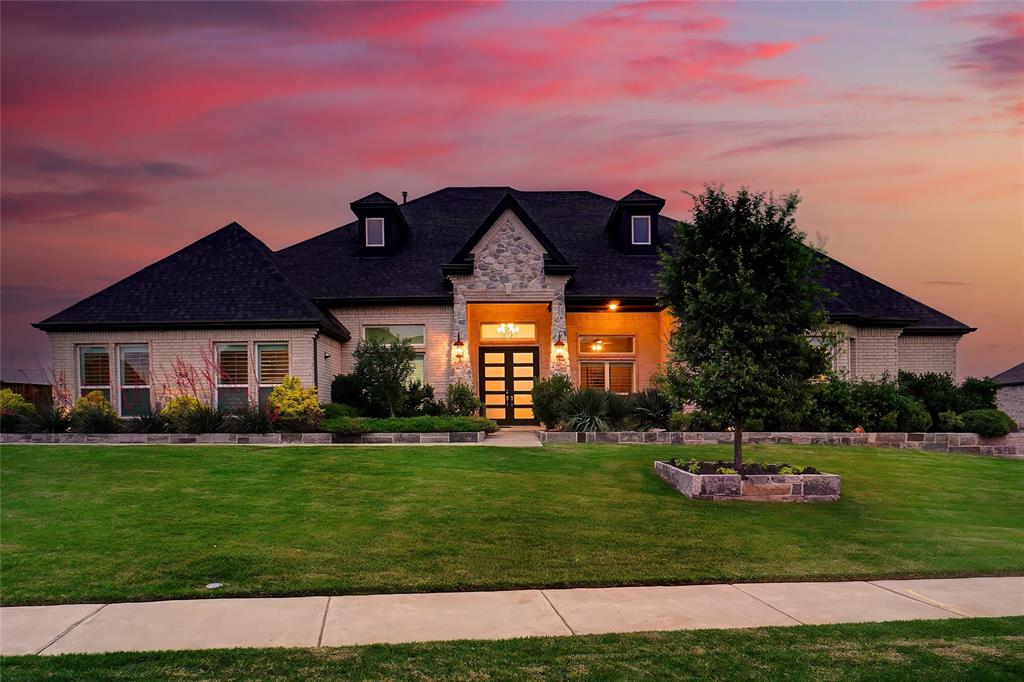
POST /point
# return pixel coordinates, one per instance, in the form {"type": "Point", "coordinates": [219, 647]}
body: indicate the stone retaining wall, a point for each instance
{"type": "Point", "coordinates": [1011, 445]}
{"type": "Point", "coordinates": [243, 438]}
{"type": "Point", "coordinates": [759, 488]}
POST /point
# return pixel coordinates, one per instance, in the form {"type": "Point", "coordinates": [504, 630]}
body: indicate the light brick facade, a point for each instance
{"type": "Point", "coordinates": [921, 353]}
{"type": "Point", "coordinates": [438, 323]}
{"type": "Point", "coordinates": [170, 352]}
{"type": "Point", "coordinates": [650, 332]}
{"type": "Point", "coordinates": [1010, 399]}
{"type": "Point", "coordinates": [870, 353]}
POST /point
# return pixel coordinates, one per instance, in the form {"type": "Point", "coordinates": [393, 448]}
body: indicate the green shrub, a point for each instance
{"type": "Point", "coordinates": [977, 394]}
{"type": "Point", "coordinates": [912, 415]}
{"type": "Point", "coordinates": [620, 417]}
{"type": "Point", "coordinates": [384, 370]}
{"type": "Point", "coordinates": [17, 415]}
{"type": "Point", "coordinates": [296, 407]}
{"type": "Point", "coordinates": [334, 411]}
{"type": "Point", "coordinates": [94, 414]}
{"type": "Point", "coordinates": [988, 422]}
{"type": "Point", "coordinates": [940, 393]}
{"type": "Point", "coordinates": [422, 424]}
{"type": "Point", "coordinates": [460, 401]}
{"type": "Point", "coordinates": [188, 414]}
{"type": "Point", "coordinates": [251, 418]}
{"type": "Point", "coordinates": [753, 424]}
{"type": "Point", "coordinates": [52, 419]}
{"type": "Point", "coordinates": [951, 422]}
{"type": "Point", "coordinates": [680, 421]}
{"type": "Point", "coordinates": [418, 399]}
{"type": "Point", "coordinates": [348, 389]}
{"type": "Point", "coordinates": [701, 420]}
{"type": "Point", "coordinates": [151, 421]}
{"type": "Point", "coordinates": [586, 409]}
{"type": "Point", "coordinates": [650, 409]}
{"type": "Point", "coordinates": [549, 397]}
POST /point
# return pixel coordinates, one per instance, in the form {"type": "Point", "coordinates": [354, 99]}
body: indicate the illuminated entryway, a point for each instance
{"type": "Point", "coordinates": [506, 383]}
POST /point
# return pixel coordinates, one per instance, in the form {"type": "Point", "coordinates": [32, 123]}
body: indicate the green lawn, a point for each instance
{"type": "Point", "coordinates": [979, 649]}
{"type": "Point", "coordinates": [94, 523]}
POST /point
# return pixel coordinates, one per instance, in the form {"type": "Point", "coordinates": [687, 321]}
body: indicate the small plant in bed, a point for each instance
{"type": "Point", "coordinates": [694, 466]}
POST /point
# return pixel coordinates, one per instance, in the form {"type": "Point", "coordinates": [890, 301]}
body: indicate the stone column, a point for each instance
{"type": "Point", "coordinates": [558, 332]}
{"type": "Point", "coordinates": [462, 371]}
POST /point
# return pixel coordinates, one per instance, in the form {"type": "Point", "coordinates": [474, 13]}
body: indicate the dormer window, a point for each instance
{"type": "Point", "coordinates": [641, 230]}
{"type": "Point", "coordinates": [375, 232]}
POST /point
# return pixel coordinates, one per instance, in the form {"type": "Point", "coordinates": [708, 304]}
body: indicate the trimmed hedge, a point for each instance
{"type": "Point", "coordinates": [987, 422]}
{"type": "Point", "coordinates": [358, 425]}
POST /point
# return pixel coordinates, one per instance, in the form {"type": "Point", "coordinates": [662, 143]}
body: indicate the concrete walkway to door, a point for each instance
{"type": "Point", "coordinates": [367, 619]}
{"type": "Point", "coordinates": [514, 437]}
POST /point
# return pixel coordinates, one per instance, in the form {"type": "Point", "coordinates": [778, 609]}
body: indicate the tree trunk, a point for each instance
{"type": "Point", "coordinates": [737, 446]}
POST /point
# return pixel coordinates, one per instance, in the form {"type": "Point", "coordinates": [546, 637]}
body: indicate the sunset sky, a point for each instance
{"type": "Point", "coordinates": [130, 130]}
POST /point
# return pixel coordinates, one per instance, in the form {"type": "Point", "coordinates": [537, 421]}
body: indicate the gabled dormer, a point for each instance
{"type": "Point", "coordinates": [633, 225]}
{"type": "Point", "coordinates": [382, 227]}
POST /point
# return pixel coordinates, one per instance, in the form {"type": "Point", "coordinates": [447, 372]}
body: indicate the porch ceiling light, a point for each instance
{"type": "Point", "coordinates": [613, 306]}
{"type": "Point", "coordinates": [507, 329]}
{"type": "Point", "coordinates": [597, 345]}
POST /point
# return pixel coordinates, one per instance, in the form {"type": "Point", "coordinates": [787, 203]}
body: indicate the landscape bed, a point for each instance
{"type": "Point", "coordinates": [769, 487]}
{"type": "Point", "coordinates": [285, 438]}
{"type": "Point", "coordinates": [1011, 445]}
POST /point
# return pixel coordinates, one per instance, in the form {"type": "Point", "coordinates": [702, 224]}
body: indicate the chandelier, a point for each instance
{"type": "Point", "coordinates": [507, 330]}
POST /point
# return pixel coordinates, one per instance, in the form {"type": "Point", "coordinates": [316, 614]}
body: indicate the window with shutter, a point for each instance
{"type": "Point", "coordinates": [134, 375]}
{"type": "Point", "coordinates": [94, 370]}
{"type": "Point", "coordinates": [232, 375]}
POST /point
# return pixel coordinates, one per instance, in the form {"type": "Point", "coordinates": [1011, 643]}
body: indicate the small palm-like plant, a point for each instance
{"type": "Point", "coordinates": [586, 409]}
{"type": "Point", "coordinates": [650, 409]}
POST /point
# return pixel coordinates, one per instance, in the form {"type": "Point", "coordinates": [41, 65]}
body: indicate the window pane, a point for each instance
{"type": "Point", "coordinates": [510, 330]}
{"type": "Point", "coordinates": [135, 365]}
{"type": "Point", "coordinates": [273, 362]}
{"type": "Point", "coordinates": [494, 386]}
{"type": "Point", "coordinates": [234, 363]}
{"type": "Point", "coordinates": [523, 413]}
{"type": "Point", "coordinates": [495, 412]}
{"type": "Point", "coordinates": [592, 374]}
{"type": "Point", "coordinates": [375, 232]}
{"type": "Point", "coordinates": [94, 366]}
{"type": "Point", "coordinates": [606, 344]}
{"type": "Point", "coordinates": [522, 358]}
{"type": "Point", "coordinates": [494, 358]}
{"type": "Point", "coordinates": [411, 333]}
{"type": "Point", "coordinates": [134, 402]}
{"type": "Point", "coordinates": [417, 370]}
{"type": "Point", "coordinates": [232, 399]}
{"type": "Point", "coordinates": [620, 377]}
{"type": "Point", "coordinates": [522, 372]}
{"type": "Point", "coordinates": [641, 229]}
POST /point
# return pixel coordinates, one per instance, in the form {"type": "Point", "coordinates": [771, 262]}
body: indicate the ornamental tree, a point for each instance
{"type": "Point", "coordinates": [384, 369]}
{"type": "Point", "coordinates": [742, 285]}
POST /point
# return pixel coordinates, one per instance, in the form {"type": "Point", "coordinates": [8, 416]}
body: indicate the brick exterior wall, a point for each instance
{"type": "Point", "coordinates": [328, 365]}
{"type": "Point", "coordinates": [437, 320]}
{"type": "Point", "coordinates": [921, 354]}
{"type": "Point", "coordinates": [194, 347]}
{"type": "Point", "coordinates": [651, 332]}
{"type": "Point", "coordinates": [1010, 399]}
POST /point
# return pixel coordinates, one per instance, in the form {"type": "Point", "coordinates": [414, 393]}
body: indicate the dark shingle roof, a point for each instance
{"type": "Point", "coordinates": [638, 195]}
{"type": "Point", "coordinates": [441, 223]}
{"type": "Point", "coordinates": [228, 278]}
{"type": "Point", "coordinates": [1011, 377]}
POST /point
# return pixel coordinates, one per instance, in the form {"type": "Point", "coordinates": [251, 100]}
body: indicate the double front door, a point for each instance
{"type": "Point", "coordinates": [506, 382]}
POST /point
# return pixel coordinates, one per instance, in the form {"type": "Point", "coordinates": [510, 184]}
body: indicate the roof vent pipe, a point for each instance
{"type": "Point", "coordinates": [405, 197]}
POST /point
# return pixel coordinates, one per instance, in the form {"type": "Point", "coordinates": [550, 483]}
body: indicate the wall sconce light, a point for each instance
{"type": "Point", "coordinates": [327, 356]}
{"type": "Point", "coordinates": [560, 350]}
{"type": "Point", "coordinates": [459, 349]}
{"type": "Point", "coordinates": [613, 306]}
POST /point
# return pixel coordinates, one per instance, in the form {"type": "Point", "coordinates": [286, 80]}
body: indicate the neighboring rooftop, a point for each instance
{"type": "Point", "coordinates": [1011, 377]}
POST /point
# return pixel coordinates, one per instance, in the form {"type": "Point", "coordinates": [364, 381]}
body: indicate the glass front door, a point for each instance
{"type": "Point", "coordinates": [506, 382]}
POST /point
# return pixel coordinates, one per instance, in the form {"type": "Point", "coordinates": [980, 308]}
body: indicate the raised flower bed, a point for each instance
{"type": "Point", "coordinates": [817, 487]}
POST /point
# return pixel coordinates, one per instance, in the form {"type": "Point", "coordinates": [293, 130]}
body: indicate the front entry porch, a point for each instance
{"type": "Point", "coordinates": [507, 375]}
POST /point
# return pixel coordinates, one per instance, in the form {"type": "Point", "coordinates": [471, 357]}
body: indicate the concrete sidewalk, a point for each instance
{"type": "Point", "coordinates": [347, 620]}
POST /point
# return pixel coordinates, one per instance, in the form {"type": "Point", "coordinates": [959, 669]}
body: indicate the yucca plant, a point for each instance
{"type": "Point", "coordinates": [586, 409]}
{"type": "Point", "coordinates": [650, 409]}
{"type": "Point", "coordinates": [251, 418]}
{"type": "Point", "coordinates": [619, 412]}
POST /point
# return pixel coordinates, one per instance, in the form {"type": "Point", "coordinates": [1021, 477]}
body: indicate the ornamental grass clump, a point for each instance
{"type": "Point", "coordinates": [93, 413]}
{"type": "Point", "coordinates": [296, 407]}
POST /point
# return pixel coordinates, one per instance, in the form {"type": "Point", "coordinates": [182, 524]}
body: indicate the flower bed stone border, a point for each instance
{"type": "Point", "coordinates": [759, 488]}
{"type": "Point", "coordinates": [245, 438]}
{"type": "Point", "coordinates": [1011, 445]}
